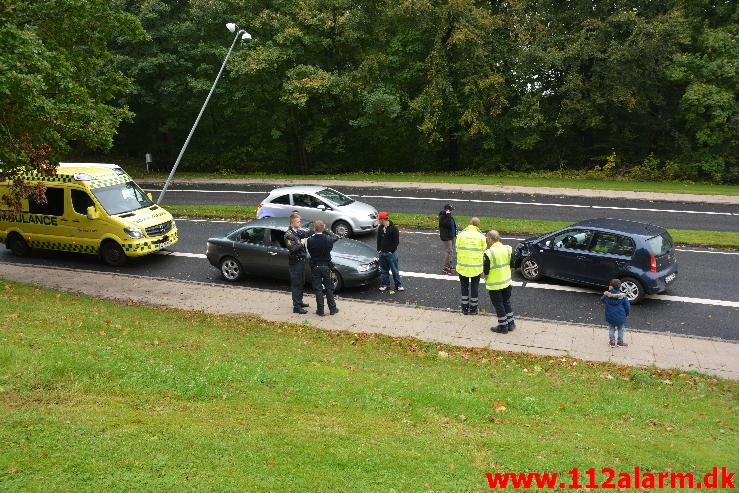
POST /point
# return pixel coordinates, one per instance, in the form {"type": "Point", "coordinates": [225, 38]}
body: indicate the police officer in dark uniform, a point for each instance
{"type": "Point", "coordinates": [319, 247]}
{"type": "Point", "coordinates": [296, 259]}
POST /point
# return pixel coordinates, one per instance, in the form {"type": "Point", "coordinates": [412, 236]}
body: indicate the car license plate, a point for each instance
{"type": "Point", "coordinates": [670, 278]}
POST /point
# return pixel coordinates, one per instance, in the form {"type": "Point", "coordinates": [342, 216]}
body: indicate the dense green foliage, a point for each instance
{"type": "Point", "coordinates": [57, 83]}
{"type": "Point", "coordinates": [631, 86]}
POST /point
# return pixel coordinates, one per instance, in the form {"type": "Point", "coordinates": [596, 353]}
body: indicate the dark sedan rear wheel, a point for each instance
{"type": "Point", "coordinates": [633, 288]}
{"type": "Point", "coordinates": [530, 269]}
{"type": "Point", "coordinates": [231, 269]}
{"type": "Point", "coordinates": [342, 228]}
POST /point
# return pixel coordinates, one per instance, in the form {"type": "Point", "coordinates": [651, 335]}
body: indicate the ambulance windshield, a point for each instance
{"type": "Point", "coordinates": [125, 197]}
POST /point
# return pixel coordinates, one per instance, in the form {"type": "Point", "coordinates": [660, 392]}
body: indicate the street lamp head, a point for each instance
{"type": "Point", "coordinates": [231, 26]}
{"type": "Point", "coordinates": [245, 36]}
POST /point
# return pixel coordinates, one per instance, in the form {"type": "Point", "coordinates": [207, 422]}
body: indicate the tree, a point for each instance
{"type": "Point", "coordinates": [56, 83]}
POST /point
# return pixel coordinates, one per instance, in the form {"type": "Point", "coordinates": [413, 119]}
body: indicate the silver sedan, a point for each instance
{"type": "Point", "coordinates": [345, 216]}
{"type": "Point", "coordinates": [258, 249]}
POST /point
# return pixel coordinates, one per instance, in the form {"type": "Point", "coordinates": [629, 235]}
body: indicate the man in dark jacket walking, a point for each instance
{"type": "Point", "coordinates": [388, 238]}
{"type": "Point", "coordinates": [617, 310]}
{"type": "Point", "coordinates": [448, 235]}
{"type": "Point", "coordinates": [319, 246]}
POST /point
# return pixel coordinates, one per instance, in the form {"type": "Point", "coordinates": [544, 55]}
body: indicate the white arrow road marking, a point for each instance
{"type": "Point", "coordinates": [532, 285]}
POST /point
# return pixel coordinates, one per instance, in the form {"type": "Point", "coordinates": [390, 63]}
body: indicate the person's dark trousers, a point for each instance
{"type": "Point", "coordinates": [470, 287]}
{"type": "Point", "coordinates": [322, 278]}
{"type": "Point", "coordinates": [501, 300]}
{"type": "Point", "coordinates": [297, 282]}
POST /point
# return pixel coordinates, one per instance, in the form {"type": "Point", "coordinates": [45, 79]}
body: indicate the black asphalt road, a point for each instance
{"type": "Point", "coordinates": [702, 275]}
{"type": "Point", "coordinates": [677, 215]}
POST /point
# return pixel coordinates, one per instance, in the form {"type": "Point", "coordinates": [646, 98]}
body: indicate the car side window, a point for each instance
{"type": "Point", "coordinates": [253, 235]}
{"type": "Point", "coordinates": [614, 244]}
{"type": "Point", "coordinates": [575, 239]}
{"type": "Point", "coordinates": [277, 238]}
{"type": "Point", "coordinates": [304, 200]}
{"type": "Point", "coordinates": [81, 201]}
{"type": "Point", "coordinates": [282, 199]}
{"type": "Point", "coordinates": [54, 205]}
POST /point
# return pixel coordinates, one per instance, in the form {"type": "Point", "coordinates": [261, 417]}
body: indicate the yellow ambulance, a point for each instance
{"type": "Point", "coordinates": [91, 208]}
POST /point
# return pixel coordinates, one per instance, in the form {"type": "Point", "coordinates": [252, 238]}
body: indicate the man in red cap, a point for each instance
{"type": "Point", "coordinates": [388, 238]}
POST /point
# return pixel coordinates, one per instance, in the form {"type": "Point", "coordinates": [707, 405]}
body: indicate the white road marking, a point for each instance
{"type": "Point", "coordinates": [532, 285]}
{"type": "Point", "coordinates": [477, 201]}
{"type": "Point", "coordinates": [545, 204]}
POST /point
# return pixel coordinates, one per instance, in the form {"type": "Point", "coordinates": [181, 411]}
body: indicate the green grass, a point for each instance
{"type": "Point", "coordinates": [99, 396]}
{"type": "Point", "coordinates": [553, 179]}
{"type": "Point", "coordinates": [719, 239]}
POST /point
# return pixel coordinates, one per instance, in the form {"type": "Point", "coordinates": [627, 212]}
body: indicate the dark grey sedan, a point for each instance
{"type": "Point", "coordinates": [258, 249]}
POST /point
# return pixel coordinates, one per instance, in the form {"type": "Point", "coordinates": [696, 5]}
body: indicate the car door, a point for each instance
{"type": "Point", "coordinates": [252, 251]}
{"type": "Point", "coordinates": [277, 253]}
{"type": "Point", "coordinates": [609, 255]}
{"type": "Point", "coordinates": [86, 230]}
{"type": "Point", "coordinates": [307, 206]}
{"type": "Point", "coordinates": [564, 253]}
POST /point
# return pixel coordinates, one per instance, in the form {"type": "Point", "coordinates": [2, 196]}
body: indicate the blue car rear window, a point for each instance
{"type": "Point", "coordinates": [660, 245]}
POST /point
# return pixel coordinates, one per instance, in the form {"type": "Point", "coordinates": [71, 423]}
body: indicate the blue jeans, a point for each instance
{"type": "Point", "coordinates": [389, 263]}
{"type": "Point", "coordinates": [612, 328]}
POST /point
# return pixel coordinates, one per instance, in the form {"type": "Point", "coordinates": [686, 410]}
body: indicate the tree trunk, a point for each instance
{"type": "Point", "coordinates": [299, 142]}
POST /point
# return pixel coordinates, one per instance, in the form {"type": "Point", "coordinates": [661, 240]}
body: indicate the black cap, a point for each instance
{"type": "Point", "coordinates": [449, 207]}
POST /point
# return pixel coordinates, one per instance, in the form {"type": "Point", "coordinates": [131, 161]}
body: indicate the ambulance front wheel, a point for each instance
{"type": "Point", "coordinates": [113, 254]}
{"type": "Point", "coordinates": [18, 245]}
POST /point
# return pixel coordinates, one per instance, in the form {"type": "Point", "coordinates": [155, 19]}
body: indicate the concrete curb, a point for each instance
{"type": "Point", "coordinates": [712, 356]}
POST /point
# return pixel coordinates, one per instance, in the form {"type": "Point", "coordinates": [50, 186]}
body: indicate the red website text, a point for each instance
{"type": "Point", "coordinates": [576, 479]}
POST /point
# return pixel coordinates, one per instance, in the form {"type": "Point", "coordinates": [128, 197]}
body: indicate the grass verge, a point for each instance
{"type": "Point", "coordinates": [718, 239]}
{"type": "Point", "coordinates": [552, 179]}
{"type": "Point", "coordinates": [100, 396]}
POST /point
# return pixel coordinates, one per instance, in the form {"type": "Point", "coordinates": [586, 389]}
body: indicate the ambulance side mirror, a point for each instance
{"type": "Point", "coordinates": [148, 194]}
{"type": "Point", "coordinates": [92, 213]}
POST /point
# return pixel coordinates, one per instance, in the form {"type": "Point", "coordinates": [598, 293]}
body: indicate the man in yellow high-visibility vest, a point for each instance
{"type": "Point", "coordinates": [470, 252]}
{"type": "Point", "coordinates": [497, 270]}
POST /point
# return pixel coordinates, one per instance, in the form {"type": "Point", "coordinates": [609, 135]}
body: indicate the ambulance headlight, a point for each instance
{"type": "Point", "coordinates": [134, 232]}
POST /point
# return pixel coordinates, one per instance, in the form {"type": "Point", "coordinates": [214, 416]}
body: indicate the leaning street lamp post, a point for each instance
{"type": "Point", "coordinates": [240, 33]}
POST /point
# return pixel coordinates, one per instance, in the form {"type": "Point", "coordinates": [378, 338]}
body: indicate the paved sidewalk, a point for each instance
{"type": "Point", "coordinates": [710, 356]}
{"type": "Point", "coordinates": [466, 187]}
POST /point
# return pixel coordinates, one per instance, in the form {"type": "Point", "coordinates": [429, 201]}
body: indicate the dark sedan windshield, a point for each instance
{"type": "Point", "coordinates": [125, 197]}
{"type": "Point", "coordinates": [337, 198]}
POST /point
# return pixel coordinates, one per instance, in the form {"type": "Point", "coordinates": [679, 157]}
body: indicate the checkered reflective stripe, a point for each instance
{"type": "Point", "coordinates": [55, 178]}
{"type": "Point", "coordinates": [64, 247]}
{"type": "Point", "coordinates": [110, 181]}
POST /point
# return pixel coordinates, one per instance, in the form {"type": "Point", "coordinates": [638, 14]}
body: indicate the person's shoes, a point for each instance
{"type": "Point", "coordinates": [383, 288]}
{"type": "Point", "coordinates": [612, 343]}
{"type": "Point", "coordinates": [334, 312]}
{"type": "Point", "coordinates": [300, 310]}
{"type": "Point", "coordinates": [500, 329]}
{"type": "Point", "coordinates": [622, 344]}
{"type": "Point", "coordinates": [511, 326]}
{"type": "Point", "coordinates": [465, 310]}
{"type": "Point", "coordinates": [304, 305]}
{"type": "Point", "coordinates": [473, 310]}
{"type": "Point", "coordinates": [400, 288]}
{"type": "Point", "coordinates": [320, 314]}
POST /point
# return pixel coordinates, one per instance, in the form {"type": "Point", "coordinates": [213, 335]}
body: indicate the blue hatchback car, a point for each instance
{"type": "Point", "coordinates": [594, 251]}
